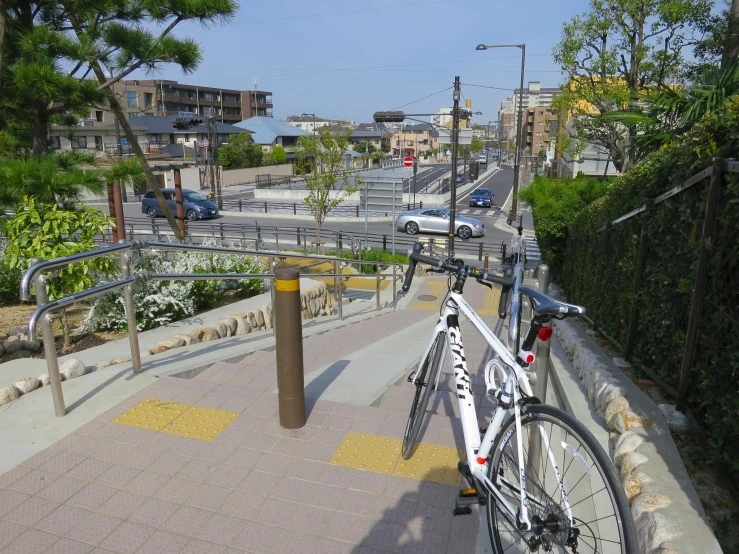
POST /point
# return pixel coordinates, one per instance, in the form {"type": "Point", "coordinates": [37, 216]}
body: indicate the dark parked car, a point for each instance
{"type": "Point", "coordinates": [482, 197]}
{"type": "Point", "coordinates": [196, 205]}
{"type": "Point", "coordinates": [460, 177]}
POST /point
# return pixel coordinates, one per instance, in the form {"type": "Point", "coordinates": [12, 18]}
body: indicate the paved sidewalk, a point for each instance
{"type": "Point", "coordinates": [256, 487]}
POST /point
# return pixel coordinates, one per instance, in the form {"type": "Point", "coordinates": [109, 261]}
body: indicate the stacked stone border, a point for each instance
{"type": "Point", "coordinates": [653, 528]}
{"type": "Point", "coordinates": [314, 302]}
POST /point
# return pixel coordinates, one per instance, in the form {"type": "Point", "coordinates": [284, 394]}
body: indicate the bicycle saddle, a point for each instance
{"type": "Point", "coordinates": [544, 304]}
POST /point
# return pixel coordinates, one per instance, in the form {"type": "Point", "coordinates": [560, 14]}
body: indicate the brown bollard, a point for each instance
{"type": "Point", "coordinates": [288, 330]}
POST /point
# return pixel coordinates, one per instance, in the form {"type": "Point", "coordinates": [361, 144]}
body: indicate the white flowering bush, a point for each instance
{"type": "Point", "coordinates": [162, 302]}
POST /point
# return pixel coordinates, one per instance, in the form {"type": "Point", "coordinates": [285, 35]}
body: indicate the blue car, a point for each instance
{"type": "Point", "coordinates": [196, 205]}
{"type": "Point", "coordinates": [482, 197]}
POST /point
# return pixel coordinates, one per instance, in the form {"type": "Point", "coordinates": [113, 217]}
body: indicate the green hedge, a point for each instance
{"type": "Point", "coordinates": [373, 254]}
{"type": "Point", "coordinates": [598, 271]}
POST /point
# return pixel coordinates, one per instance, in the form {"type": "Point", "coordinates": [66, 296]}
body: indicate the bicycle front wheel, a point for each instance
{"type": "Point", "coordinates": [575, 500]}
{"type": "Point", "coordinates": [425, 381]}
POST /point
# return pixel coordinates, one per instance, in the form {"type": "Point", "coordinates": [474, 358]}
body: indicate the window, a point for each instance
{"type": "Point", "coordinates": [99, 115]}
{"type": "Point", "coordinates": [539, 134]}
{"type": "Point", "coordinates": [79, 142]}
{"type": "Point", "coordinates": [133, 115]}
{"type": "Point", "coordinates": [541, 124]}
{"type": "Point", "coordinates": [132, 99]}
{"type": "Point", "coordinates": [541, 113]}
{"type": "Point", "coordinates": [55, 143]}
{"type": "Point", "coordinates": [98, 142]}
{"type": "Point", "coordinates": [149, 194]}
{"type": "Point", "coordinates": [148, 99]}
{"type": "Point", "coordinates": [209, 96]}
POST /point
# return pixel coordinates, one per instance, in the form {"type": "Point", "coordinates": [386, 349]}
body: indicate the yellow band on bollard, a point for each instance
{"type": "Point", "coordinates": [284, 285]}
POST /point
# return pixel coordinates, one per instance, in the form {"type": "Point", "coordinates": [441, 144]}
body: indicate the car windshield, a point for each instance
{"type": "Point", "coordinates": [194, 197]}
{"type": "Point", "coordinates": [483, 192]}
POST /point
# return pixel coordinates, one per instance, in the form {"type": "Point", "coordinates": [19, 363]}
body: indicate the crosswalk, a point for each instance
{"type": "Point", "coordinates": [533, 254]}
{"type": "Point", "coordinates": [468, 211]}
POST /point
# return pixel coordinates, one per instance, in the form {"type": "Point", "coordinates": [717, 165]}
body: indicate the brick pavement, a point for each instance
{"type": "Point", "coordinates": [255, 488]}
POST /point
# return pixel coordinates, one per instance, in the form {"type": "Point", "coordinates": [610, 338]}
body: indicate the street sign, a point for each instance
{"type": "Point", "coordinates": [445, 136]}
{"type": "Point", "coordinates": [206, 143]}
{"type": "Point", "coordinates": [185, 114]}
{"type": "Point", "coordinates": [124, 142]}
{"type": "Point", "coordinates": [408, 161]}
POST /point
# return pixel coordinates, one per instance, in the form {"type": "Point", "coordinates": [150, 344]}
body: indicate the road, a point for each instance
{"type": "Point", "coordinates": [500, 182]}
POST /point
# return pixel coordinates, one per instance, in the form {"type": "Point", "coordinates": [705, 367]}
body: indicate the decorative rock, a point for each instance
{"type": "Point", "coordinates": [621, 363]}
{"type": "Point", "coordinates": [653, 529]}
{"type": "Point", "coordinates": [43, 380]}
{"type": "Point", "coordinates": [231, 323]}
{"type": "Point", "coordinates": [625, 444]}
{"type": "Point", "coordinates": [31, 345]}
{"type": "Point", "coordinates": [260, 318]}
{"type": "Point", "coordinates": [251, 317]}
{"type": "Point", "coordinates": [104, 363]}
{"type": "Point", "coordinates": [630, 461]}
{"type": "Point", "coordinates": [242, 326]}
{"type": "Point", "coordinates": [198, 333]}
{"type": "Point", "coordinates": [7, 395]}
{"type": "Point", "coordinates": [616, 405]}
{"type": "Point", "coordinates": [675, 420]}
{"type": "Point", "coordinates": [26, 384]}
{"type": "Point", "coordinates": [17, 330]}
{"type": "Point", "coordinates": [625, 420]}
{"type": "Point", "coordinates": [633, 483]}
{"type": "Point", "coordinates": [144, 353]}
{"type": "Point", "coordinates": [608, 395]}
{"type": "Point", "coordinates": [313, 307]}
{"type": "Point", "coordinates": [172, 342]}
{"type": "Point", "coordinates": [72, 368]}
{"type": "Point", "coordinates": [267, 315]}
{"type": "Point", "coordinates": [646, 502]}
{"type": "Point", "coordinates": [223, 329]}
{"type": "Point", "coordinates": [2, 350]}
{"type": "Point", "coordinates": [210, 333]}
{"type": "Point", "coordinates": [160, 349]}
{"type": "Point", "coordinates": [242, 315]}
{"type": "Point", "coordinates": [12, 345]}
{"type": "Point", "coordinates": [189, 339]}
{"type": "Point", "coordinates": [120, 361]}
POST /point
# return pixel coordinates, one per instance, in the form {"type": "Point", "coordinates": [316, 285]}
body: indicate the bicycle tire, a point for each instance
{"type": "Point", "coordinates": [423, 392]}
{"type": "Point", "coordinates": [619, 521]}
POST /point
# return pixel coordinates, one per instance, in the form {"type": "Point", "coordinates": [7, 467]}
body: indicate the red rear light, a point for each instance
{"type": "Point", "coordinates": [529, 358]}
{"type": "Point", "coordinates": [545, 333]}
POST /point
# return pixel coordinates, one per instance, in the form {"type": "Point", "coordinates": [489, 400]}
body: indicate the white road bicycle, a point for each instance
{"type": "Point", "coordinates": [544, 481]}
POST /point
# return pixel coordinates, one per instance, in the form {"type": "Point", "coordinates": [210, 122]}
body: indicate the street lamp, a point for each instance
{"type": "Point", "coordinates": [314, 122]}
{"type": "Point", "coordinates": [519, 135]}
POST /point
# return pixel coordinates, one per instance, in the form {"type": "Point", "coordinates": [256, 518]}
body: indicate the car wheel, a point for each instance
{"type": "Point", "coordinates": [411, 228]}
{"type": "Point", "coordinates": [464, 232]}
{"type": "Point", "coordinates": [191, 215]}
{"type": "Point", "coordinates": [151, 212]}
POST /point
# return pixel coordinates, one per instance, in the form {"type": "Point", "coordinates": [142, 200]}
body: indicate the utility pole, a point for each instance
{"type": "Point", "coordinates": [731, 47]}
{"type": "Point", "coordinates": [517, 161]}
{"type": "Point", "coordinates": [455, 146]}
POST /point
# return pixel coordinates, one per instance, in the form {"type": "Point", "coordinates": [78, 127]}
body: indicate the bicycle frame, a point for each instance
{"type": "Point", "coordinates": [515, 323]}
{"type": "Point", "coordinates": [478, 449]}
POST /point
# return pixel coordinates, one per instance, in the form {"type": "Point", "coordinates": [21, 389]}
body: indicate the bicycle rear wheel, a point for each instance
{"type": "Point", "coordinates": [599, 518]}
{"type": "Point", "coordinates": [425, 381]}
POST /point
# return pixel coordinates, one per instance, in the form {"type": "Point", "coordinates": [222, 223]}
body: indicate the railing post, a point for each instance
{"type": "Point", "coordinates": [395, 291]}
{"type": "Point", "coordinates": [47, 335]}
{"type": "Point", "coordinates": [479, 252]}
{"type": "Point", "coordinates": [130, 305]}
{"type": "Point", "coordinates": [420, 204]}
{"type": "Point", "coordinates": [179, 202]}
{"type": "Point", "coordinates": [295, 208]}
{"type": "Point", "coordinates": [486, 262]}
{"type": "Point", "coordinates": [259, 233]}
{"type": "Point", "coordinates": [357, 210]}
{"type": "Point", "coordinates": [384, 242]}
{"type": "Point", "coordinates": [337, 286]}
{"type": "Point", "coordinates": [638, 277]}
{"type": "Point", "coordinates": [271, 262]}
{"type": "Point", "coordinates": [265, 206]}
{"type": "Point", "coordinates": [298, 231]}
{"type": "Point", "coordinates": [502, 250]}
{"type": "Point", "coordinates": [241, 201]}
{"type": "Point", "coordinates": [602, 270]}
{"type": "Point", "coordinates": [220, 226]}
{"type": "Point", "coordinates": [288, 332]}
{"type": "Point", "coordinates": [339, 243]}
{"type": "Point", "coordinates": [699, 288]}
{"type": "Point", "coordinates": [377, 287]}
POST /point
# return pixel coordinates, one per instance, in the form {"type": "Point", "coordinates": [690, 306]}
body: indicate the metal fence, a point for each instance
{"type": "Point", "coordinates": [663, 282]}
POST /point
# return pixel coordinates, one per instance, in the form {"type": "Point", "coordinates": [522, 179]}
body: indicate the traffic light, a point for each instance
{"type": "Point", "coordinates": [185, 123]}
{"type": "Point", "coordinates": [389, 117]}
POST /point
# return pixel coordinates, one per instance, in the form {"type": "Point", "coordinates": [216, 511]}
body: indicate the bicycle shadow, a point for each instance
{"type": "Point", "coordinates": [421, 521]}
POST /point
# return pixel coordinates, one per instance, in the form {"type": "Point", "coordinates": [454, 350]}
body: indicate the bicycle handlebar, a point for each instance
{"type": "Point", "coordinates": [453, 266]}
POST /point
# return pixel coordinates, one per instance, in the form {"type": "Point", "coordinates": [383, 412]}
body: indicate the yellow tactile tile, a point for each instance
{"type": "Point", "coordinates": [490, 304]}
{"type": "Point", "coordinates": [368, 452]}
{"type": "Point", "coordinates": [200, 423]}
{"type": "Point", "coordinates": [151, 414]}
{"type": "Point", "coordinates": [431, 462]}
{"type": "Point", "coordinates": [433, 288]}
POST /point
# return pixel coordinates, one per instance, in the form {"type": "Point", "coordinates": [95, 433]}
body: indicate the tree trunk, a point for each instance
{"type": "Point", "coordinates": [133, 141]}
{"type": "Point", "coordinates": [40, 132]}
{"type": "Point", "coordinates": [731, 46]}
{"type": "Point", "coordinates": [2, 38]}
{"type": "Point", "coordinates": [64, 322]}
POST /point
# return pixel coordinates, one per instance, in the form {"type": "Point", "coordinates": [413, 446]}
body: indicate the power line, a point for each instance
{"type": "Point", "coordinates": [345, 12]}
{"type": "Point", "coordinates": [486, 86]}
{"type": "Point", "coordinates": [424, 98]}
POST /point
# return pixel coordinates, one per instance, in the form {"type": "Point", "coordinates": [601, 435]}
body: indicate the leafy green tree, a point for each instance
{"type": "Point", "coordinates": [240, 152]}
{"type": "Point", "coordinates": [476, 145]}
{"type": "Point", "coordinates": [46, 231]}
{"type": "Point", "coordinates": [616, 53]}
{"type": "Point", "coordinates": [328, 185]}
{"type": "Point", "coordinates": [279, 156]}
{"type": "Point", "coordinates": [365, 147]}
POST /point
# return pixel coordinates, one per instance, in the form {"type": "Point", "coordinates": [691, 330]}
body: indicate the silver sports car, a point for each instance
{"type": "Point", "coordinates": [436, 220]}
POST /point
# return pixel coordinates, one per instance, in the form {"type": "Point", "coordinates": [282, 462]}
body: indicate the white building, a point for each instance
{"type": "Point", "coordinates": [308, 123]}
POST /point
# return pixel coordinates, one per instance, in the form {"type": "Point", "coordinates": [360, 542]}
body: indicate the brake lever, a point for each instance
{"type": "Point", "coordinates": [488, 285]}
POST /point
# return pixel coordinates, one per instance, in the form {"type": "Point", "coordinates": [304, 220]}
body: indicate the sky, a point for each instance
{"type": "Point", "coordinates": [347, 60]}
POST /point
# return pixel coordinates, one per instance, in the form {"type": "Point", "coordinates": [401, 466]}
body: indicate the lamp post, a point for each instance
{"type": "Point", "coordinates": [519, 134]}
{"type": "Point", "coordinates": [314, 122]}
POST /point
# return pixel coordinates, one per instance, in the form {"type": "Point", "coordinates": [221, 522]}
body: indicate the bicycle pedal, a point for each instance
{"type": "Point", "coordinates": [466, 498]}
{"type": "Point", "coordinates": [466, 511]}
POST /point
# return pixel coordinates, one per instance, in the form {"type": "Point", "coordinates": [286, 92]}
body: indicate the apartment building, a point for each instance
{"type": "Point", "coordinates": [164, 98]}
{"type": "Point", "coordinates": [537, 127]}
{"type": "Point", "coordinates": [308, 123]}
{"type": "Point", "coordinates": [533, 96]}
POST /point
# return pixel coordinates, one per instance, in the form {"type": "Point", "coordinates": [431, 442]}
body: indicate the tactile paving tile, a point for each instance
{"type": "Point", "coordinates": [490, 304]}
{"type": "Point", "coordinates": [151, 414]}
{"type": "Point", "coordinates": [433, 288]}
{"type": "Point", "coordinates": [368, 452]}
{"type": "Point", "coordinates": [200, 423]}
{"type": "Point", "coordinates": [431, 462]}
